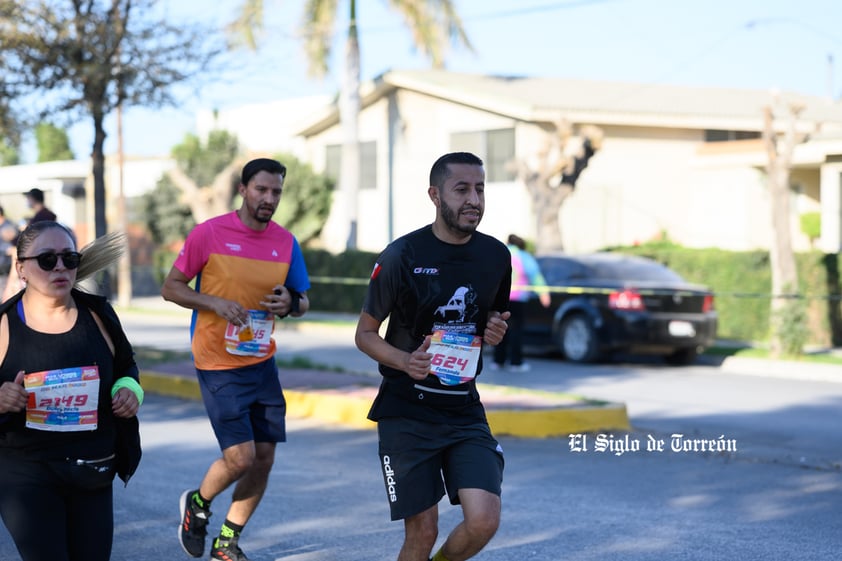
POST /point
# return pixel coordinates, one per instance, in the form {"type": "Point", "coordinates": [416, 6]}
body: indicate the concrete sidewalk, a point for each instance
{"type": "Point", "coordinates": [344, 398]}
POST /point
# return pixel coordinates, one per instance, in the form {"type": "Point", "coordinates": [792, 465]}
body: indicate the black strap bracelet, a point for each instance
{"type": "Point", "coordinates": [296, 301]}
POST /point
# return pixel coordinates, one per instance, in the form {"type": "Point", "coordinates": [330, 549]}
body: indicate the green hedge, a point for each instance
{"type": "Point", "coordinates": [338, 282]}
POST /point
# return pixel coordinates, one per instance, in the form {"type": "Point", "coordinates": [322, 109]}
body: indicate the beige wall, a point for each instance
{"type": "Point", "coordinates": [421, 127]}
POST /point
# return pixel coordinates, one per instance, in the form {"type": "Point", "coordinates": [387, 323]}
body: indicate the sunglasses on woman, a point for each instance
{"type": "Point", "coordinates": [49, 259]}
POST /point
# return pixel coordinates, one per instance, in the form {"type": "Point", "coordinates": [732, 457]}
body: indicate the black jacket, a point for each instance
{"type": "Point", "coordinates": [127, 448]}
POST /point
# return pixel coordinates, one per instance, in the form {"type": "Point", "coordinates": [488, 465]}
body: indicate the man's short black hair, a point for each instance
{"type": "Point", "coordinates": [440, 172]}
{"type": "Point", "coordinates": [35, 194]}
{"type": "Point", "coordinates": [262, 164]}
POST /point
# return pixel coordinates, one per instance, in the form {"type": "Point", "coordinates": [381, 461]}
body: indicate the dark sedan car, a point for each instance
{"type": "Point", "coordinates": [605, 302]}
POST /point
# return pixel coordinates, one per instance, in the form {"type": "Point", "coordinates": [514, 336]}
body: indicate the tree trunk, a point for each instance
{"type": "Point", "coordinates": [546, 204]}
{"type": "Point", "coordinates": [209, 201]}
{"type": "Point", "coordinates": [547, 194]}
{"type": "Point", "coordinates": [100, 220]}
{"type": "Point", "coordinates": [349, 113]}
{"type": "Point", "coordinates": [124, 268]}
{"type": "Point", "coordinates": [781, 256]}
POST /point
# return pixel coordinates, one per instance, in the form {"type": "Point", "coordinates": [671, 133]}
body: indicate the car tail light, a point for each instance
{"type": "Point", "coordinates": [626, 300]}
{"type": "Point", "coordinates": [707, 305]}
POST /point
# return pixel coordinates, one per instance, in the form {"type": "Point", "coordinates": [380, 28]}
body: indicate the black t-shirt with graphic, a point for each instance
{"type": "Point", "coordinates": [423, 284]}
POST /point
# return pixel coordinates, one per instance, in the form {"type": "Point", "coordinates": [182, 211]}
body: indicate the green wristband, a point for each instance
{"type": "Point", "coordinates": [130, 383]}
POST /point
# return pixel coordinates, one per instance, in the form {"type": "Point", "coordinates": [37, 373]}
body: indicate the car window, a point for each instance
{"type": "Point", "coordinates": [634, 270]}
{"type": "Point", "coordinates": [565, 271]}
{"type": "Point", "coordinates": [561, 271]}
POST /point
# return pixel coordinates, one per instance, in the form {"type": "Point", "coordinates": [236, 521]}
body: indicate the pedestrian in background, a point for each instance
{"type": "Point", "coordinates": [68, 402]}
{"type": "Point", "coordinates": [445, 290]}
{"type": "Point", "coordinates": [35, 201]}
{"type": "Point", "coordinates": [526, 273]}
{"type": "Point", "coordinates": [8, 237]}
{"type": "Point", "coordinates": [248, 271]}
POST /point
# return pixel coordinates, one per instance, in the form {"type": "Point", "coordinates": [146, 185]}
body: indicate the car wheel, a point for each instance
{"type": "Point", "coordinates": [577, 339]}
{"type": "Point", "coordinates": [682, 357]}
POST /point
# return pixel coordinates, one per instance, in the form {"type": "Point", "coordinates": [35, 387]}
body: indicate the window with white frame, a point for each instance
{"type": "Point", "coordinates": [368, 163]}
{"type": "Point", "coordinates": [495, 147]}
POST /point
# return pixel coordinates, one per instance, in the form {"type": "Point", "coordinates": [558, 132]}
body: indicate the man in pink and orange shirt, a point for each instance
{"type": "Point", "coordinates": [248, 270]}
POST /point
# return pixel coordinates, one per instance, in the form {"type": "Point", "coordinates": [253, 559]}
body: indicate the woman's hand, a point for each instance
{"type": "Point", "coordinates": [124, 404]}
{"type": "Point", "coordinates": [13, 396]}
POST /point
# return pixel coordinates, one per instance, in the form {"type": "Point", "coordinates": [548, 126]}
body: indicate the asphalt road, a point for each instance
{"type": "Point", "coordinates": [325, 501]}
{"type": "Point", "coordinates": [563, 498]}
{"type": "Point", "coordinates": [780, 412]}
{"type": "Point", "coordinates": [781, 419]}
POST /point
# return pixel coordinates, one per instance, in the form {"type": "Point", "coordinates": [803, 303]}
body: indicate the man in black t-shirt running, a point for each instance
{"type": "Point", "coordinates": [445, 289]}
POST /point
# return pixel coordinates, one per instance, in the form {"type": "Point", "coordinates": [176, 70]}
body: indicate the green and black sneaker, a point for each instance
{"type": "Point", "coordinates": [227, 549]}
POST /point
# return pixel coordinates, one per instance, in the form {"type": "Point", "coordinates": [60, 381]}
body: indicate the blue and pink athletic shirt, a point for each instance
{"type": "Point", "coordinates": [525, 272]}
{"type": "Point", "coordinates": [232, 261]}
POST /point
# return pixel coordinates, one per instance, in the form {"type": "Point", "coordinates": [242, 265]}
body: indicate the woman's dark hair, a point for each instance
{"type": "Point", "coordinates": [34, 231]}
{"type": "Point", "coordinates": [440, 171]}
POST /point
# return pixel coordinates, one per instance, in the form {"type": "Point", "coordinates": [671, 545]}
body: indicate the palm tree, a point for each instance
{"type": "Point", "coordinates": [434, 24]}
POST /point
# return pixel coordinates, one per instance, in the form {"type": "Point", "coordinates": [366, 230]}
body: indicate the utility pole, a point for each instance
{"type": "Point", "coordinates": [124, 266]}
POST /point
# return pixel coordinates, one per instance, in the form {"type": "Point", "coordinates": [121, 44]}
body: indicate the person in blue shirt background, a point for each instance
{"type": "Point", "coordinates": [525, 273]}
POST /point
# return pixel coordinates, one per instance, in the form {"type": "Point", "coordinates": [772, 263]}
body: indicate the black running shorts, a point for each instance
{"type": "Point", "coordinates": [245, 404]}
{"type": "Point", "coordinates": [421, 460]}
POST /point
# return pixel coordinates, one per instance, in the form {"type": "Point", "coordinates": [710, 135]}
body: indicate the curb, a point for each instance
{"type": "Point", "coordinates": [558, 422]}
{"type": "Point", "coordinates": [552, 417]}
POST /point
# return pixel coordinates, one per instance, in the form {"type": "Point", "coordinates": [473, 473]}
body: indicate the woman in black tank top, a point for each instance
{"type": "Point", "coordinates": [69, 396]}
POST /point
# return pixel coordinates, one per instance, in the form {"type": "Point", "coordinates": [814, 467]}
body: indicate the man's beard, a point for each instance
{"type": "Point", "coordinates": [263, 219]}
{"type": "Point", "coordinates": [451, 220]}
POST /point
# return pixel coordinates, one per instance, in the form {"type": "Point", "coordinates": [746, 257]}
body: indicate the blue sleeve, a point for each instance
{"type": "Point", "coordinates": [297, 277]}
{"type": "Point", "coordinates": [532, 270]}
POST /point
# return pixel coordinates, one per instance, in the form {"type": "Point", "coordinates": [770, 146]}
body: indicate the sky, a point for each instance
{"type": "Point", "coordinates": [759, 44]}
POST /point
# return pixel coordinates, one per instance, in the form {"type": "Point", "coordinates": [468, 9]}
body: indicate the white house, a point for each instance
{"type": "Point", "coordinates": [68, 187]}
{"type": "Point", "coordinates": [683, 162]}
{"type": "Point", "coordinates": [265, 127]}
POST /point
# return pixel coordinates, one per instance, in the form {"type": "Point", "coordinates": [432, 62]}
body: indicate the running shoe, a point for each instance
{"type": "Point", "coordinates": [193, 528]}
{"type": "Point", "coordinates": [227, 550]}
